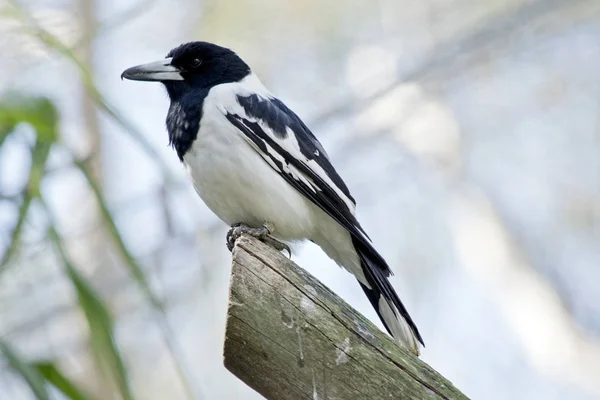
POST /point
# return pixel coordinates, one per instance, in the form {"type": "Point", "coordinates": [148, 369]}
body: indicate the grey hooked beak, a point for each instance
{"type": "Point", "coordinates": [157, 71]}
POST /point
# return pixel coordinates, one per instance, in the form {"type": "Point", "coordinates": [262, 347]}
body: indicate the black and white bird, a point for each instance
{"type": "Point", "coordinates": [260, 169]}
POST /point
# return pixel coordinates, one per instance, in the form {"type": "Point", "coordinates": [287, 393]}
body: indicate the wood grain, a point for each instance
{"type": "Point", "coordinates": [289, 337]}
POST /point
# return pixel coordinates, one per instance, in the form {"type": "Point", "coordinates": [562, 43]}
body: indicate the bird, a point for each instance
{"type": "Point", "coordinates": [261, 170]}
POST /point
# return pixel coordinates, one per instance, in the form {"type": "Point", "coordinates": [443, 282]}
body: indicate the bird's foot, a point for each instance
{"type": "Point", "coordinates": [263, 234]}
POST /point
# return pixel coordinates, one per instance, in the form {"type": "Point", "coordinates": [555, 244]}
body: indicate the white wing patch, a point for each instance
{"type": "Point", "coordinates": [268, 144]}
{"type": "Point", "coordinates": [290, 144]}
{"type": "Point", "coordinates": [224, 97]}
{"type": "Point", "coordinates": [287, 168]}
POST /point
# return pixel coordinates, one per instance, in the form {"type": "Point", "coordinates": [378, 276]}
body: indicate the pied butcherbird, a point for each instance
{"type": "Point", "coordinates": [260, 169]}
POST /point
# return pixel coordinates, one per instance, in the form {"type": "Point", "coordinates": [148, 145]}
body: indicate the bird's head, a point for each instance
{"type": "Point", "coordinates": [194, 65]}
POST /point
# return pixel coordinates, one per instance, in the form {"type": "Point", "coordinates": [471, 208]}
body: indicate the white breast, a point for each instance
{"type": "Point", "coordinates": [237, 184]}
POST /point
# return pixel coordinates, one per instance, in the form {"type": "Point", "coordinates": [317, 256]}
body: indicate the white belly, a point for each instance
{"type": "Point", "coordinates": [239, 186]}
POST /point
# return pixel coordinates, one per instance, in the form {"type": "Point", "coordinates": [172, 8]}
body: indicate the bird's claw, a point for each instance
{"type": "Point", "coordinates": [263, 234]}
{"type": "Point", "coordinates": [276, 244]}
{"type": "Point", "coordinates": [233, 234]}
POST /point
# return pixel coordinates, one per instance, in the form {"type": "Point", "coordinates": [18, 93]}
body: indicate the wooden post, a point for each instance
{"type": "Point", "coordinates": [289, 337]}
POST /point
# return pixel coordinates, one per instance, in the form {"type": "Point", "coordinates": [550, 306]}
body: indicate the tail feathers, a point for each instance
{"type": "Point", "coordinates": [400, 329]}
{"type": "Point", "coordinates": [385, 300]}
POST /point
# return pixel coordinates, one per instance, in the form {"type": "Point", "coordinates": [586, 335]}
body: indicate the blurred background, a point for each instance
{"type": "Point", "coordinates": [468, 132]}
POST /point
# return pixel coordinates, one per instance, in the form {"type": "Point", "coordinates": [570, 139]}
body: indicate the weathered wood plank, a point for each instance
{"type": "Point", "coordinates": [289, 337]}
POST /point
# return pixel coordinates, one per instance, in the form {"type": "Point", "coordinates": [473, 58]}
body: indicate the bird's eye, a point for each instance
{"type": "Point", "coordinates": [196, 62]}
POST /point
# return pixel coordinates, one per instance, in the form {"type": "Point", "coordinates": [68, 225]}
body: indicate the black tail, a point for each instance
{"type": "Point", "coordinates": [385, 300]}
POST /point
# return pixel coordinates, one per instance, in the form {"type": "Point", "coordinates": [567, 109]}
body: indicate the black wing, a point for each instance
{"type": "Point", "coordinates": [287, 144]}
{"type": "Point", "coordinates": [290, 148]}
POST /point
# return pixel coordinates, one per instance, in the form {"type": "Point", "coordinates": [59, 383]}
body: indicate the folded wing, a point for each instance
{"type": "Point", "coordinates": [290, 148]}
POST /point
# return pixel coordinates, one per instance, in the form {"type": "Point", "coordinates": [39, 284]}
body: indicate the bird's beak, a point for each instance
{"type": "Point", "coordinates": [158, 71]}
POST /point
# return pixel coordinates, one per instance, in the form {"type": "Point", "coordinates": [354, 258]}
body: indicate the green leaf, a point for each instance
{"type": "Point", "coordinates": [101, 332]}
{"type": "Point", "coordinates": [41, 114]}
{"type": "Point", "coordinates": [29, 374]}
{"type": "Point", "coordinates": [53, 375]}
{"type": "Point", "coordinates": [99, 321]}
{"type": "Point", "coordinates": [15, 238]}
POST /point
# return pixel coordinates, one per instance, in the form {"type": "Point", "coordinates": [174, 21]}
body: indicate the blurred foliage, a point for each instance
{"type": "Point", "coordinates": [17, 12]}
{"type": "Point", "coordinates": [30, 374]}
{"type": "Point", "coordinates": [41, 115]}
{"type": "Point", "coordinates": [454, 46]}
{"type": "Point", "coordinates": [40, 375]}
{"type": "Point", "coordinates": [54, 376]}
{"type": "Point", "coordinates": [99, 321]}
{"type": "Point", "coordinates": [132, 264]}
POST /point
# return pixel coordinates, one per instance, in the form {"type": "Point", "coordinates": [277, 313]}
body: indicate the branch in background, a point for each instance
{"type": "Point", "coordinates": [455, 52]}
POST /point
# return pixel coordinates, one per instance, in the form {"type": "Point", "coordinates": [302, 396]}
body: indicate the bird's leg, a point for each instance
{"type": "Point", "coordinates": [263, 234]}
{"type": "Point", "coordinates": [270, 240]}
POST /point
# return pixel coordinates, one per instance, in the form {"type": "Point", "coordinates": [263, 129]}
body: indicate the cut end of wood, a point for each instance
{"type": "Point", "coordinates": [290, 337]}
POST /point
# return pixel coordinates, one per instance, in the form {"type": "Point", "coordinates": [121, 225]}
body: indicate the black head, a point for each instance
{"type": "Point", "coordinates": [194, 65]}
{"type": "Point", "coordinates": [189, 72]}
